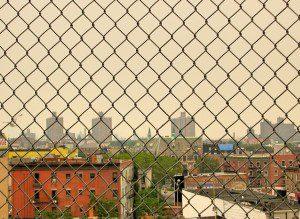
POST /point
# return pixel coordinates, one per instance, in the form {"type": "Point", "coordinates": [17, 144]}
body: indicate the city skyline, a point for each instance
{"type": "Point", "coordinates": [97, 124]}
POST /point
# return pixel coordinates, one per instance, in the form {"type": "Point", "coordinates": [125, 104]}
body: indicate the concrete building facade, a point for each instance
{"type": "Point", "coordinates": [102, 129]}
{"type": "Point", "coordinates": [54, 128]}
{"type": "Point", "coordinates": [183, 125]}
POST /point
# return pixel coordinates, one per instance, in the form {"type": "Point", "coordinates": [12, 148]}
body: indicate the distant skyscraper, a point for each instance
{"type": "Point", "coordinates": [266, 129]}
{"type": "Point", "coordinates": [280, 131]}
{"type": "Point", "coordinates": [251, 133]}
{"type": "Point", "coordinates": [184, 124]}
{"type": "Point", "coordinates": [55, 129]}
{"type": "Point", "coordinates": [101, 128]}
{"type": "Point", "coordinates": [29, 134]}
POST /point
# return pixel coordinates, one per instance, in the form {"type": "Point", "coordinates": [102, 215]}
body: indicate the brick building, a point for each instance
{"type": "Point", "coordinates": [217, 180]}
{"type": "Point", "coordinates": [264, 170]}
{"type": "Point", "coordinates": [54, 185]}
{"type": "Point", "coordinates": [293, 179]}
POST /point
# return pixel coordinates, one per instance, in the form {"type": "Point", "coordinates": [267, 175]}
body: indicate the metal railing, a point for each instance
{"type": "Point", "coordinates": [149, 109]}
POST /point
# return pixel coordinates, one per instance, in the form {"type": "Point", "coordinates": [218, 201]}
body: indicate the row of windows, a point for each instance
{"type": "Point", "coordinates": [80, 175]}
{"type": "Point", "coordinates": [68, 193]}
{"type": "Point", "coordinates": [258, 163]}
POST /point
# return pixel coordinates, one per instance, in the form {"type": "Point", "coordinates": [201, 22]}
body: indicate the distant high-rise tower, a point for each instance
{"type": "Point", "coordinates": [266, 129]}
{"type": "Point", "coordinates": [101, 128]}
{"type": "Point", "coordinates": [251, 133]}
{"type": "Point", "coordinates": [55, 129]}
{"type": "Point", "coordinates": [184, 124]}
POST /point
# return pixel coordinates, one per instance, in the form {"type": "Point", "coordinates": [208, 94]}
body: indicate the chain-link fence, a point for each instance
{"type": "Point", "coordinates": [150, 109]}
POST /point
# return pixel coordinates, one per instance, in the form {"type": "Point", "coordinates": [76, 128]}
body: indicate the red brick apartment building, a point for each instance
{"type": "Point", "coordinates": [264, 170]}
{"type": "Point", "coordinates": [67, 183]}
{"type": "Point", "coordinates": [231, 181]}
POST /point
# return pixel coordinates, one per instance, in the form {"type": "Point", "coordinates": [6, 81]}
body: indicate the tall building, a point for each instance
{"type": "Point", "coordinates": [102, 128]}
{"type": "Point", "coordinates": [55, 129]}
{"type": "Point", "coordinates": [30, 134]}
{"type": "Point", "coordinates": [280, 131]}
{"type": "Point", "coordinates": [266, 129]}
{"type": "Point", "coordinates": [251, 133]}
{"type": "Point", "coordinates": [183, 125]}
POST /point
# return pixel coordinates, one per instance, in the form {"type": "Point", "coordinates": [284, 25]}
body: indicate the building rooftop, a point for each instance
{"type": "Point", "coordinates": [95, 160]}
{"type": "Point", "coordinates": [261, 201]}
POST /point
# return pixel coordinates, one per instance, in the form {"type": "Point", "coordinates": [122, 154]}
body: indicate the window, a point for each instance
{"type": "Point", "coordinates": [92, 191]}
{"type": "Point", "coordinates": [251, 173]}
{"type": "Point", "coordinates": [251, 164]}
{"type": "Point", "coordinates": [37, 210]}
{"type": "Point", "coordinates": [275, 172]}
{"type": "Point", "coordinates": [266, 173]}
{"type": "Point", "coordinates": [36, 194]}
{"type": "Point", "coordinates": [80, 191]}
{"type": "Point", "coordinates": [68, 192]}
{"type": "Point", "coordinates": [184, 158]}
{"type": "Point", "coordinates": [283, 182]}
{"type": "Point", "coordinates": [258, 182]}
{"type": "Point", "coordinates": [115, 176]}
{"type": "Point", "coordinates": [92, 175]}
{"type": "Point", "coordinates": [53, 193]}
{"type": "Point", "coordinates": [68, 176]}
{"type": "Point", "coordinates": [115, 194]}
{"type": "Point", "coordinates": [258, 163]}
{"type": "Point", "coordinates": [283, 163]}
{"type": "Point", "coordinates": [196, 157]}
{"type": "Point", "coordinates": [143, 180]}
{"type": "Point", "coordinates": [36, 177]}
{"type": "Point", "coordinates": [290, 162]}
{"type": "Point", "coordinates": [265, 163]}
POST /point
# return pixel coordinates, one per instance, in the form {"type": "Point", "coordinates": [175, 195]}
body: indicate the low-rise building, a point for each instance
{"type": "Point", "coordinates": [293, 179]}
{"type": "Point", "coordinates": [217, 180]}
{"type": "Point", "coordinates": [58, 184]}
{"type": "Point", "coordinates": [145, 178]}
{"type": "Point", "coordinates": [231, 204]}
{"type": "Point", "coordinates": [5, 181]}
{"type": "Point", "coordinates": [264, 170]}
{"type": "Point", "coordinates": [38, 153]}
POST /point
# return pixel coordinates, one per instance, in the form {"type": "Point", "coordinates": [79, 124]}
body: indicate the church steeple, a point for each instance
{"type": "Point", "coordinates": [149, 134]}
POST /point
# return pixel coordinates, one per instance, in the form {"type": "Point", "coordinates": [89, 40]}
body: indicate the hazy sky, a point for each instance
{"type": "Point", "coordinates": [129, 48]}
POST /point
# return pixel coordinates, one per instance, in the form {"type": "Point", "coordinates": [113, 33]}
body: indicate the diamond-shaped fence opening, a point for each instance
{"type": "Point", "coordinates": [150, 109]}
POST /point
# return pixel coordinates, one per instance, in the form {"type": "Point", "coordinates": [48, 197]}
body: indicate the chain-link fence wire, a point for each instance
{"type": "Point", "coordinates": [232, 66]}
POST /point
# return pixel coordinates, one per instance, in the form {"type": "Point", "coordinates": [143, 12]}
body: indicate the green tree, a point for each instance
{"type": "Point", "coordinates": [166, 167]}
{"type": "Point", "coordinates": [162, 168]}
{"type": "Point", "coordinates": [208, 164]}
{"type": "Point", "coordinates": [149, 201]}
{"type": "Point", "coordinates": [103, 208]}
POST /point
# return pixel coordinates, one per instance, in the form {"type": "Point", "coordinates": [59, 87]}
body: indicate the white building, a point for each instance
{"type": "Point", "coordinates": [203, 206]}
